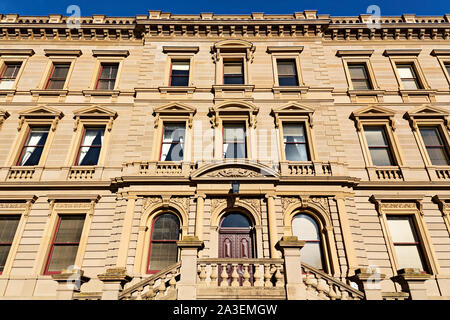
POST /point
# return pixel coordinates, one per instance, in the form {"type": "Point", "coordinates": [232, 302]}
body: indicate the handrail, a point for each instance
{"type": "Point", "coordinates": [146, 281]}
{"type": "Point", "coordinates": [239, 260]}
{"type": "Point", "coordinates": [338, 283]}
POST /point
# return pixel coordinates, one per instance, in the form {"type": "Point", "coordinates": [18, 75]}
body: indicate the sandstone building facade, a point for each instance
{"type": "Point", "coordinates": [162, 156]}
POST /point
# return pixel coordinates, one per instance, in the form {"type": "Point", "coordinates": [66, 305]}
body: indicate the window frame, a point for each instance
{"type": "Point", "coordinates": [98, 68]}
{"type": "Point", "coordinates": [150, 244]}
{"type": "Point", "coordinates": [60, 204]}
{"type": "Point", "coordinates": [443, 57]}
{"type": "Point", "coordinates": [307, 143]}
{"type": "Point", "coordinates": [414, 62]}
{"type": "Point", "coordinates": [349, 63]}
{"type": "Point", "coordinates": [4, 60]}
{"type": "Point", "coordinates": [244, 73]}
{"type": "Point", "coordinates": [189, 63]}
{"type": "Point", "coordinates": [445, 144]}
{"type": "Point", "coordinates": [102, 65]}
{"type": "Point", "coordinates": [162, 140]}
{"type": "Point", "coordinates": [30, 128]}
{"type": "Point", "coordinates": [389, 146]}
{"type": "Point", "coordinates": [52, 70]}
{"type": "Point", "coordinates": [85, 128]}
{"type": "Point", "coordinates": [52, 243]}
{"type": "Point", "coordinates": [41, 116]}
{"type": "Point", "coordinates": [286, 53]}
{"type": "Point", "coordinates": [411, 206]}
{"type": "Point", "coordinates": [224, 124]}
{"type": "Point", "coordinates": [296, 68]}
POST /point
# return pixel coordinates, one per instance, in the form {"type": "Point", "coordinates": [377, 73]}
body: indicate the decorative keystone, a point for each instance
{"type": "Point", "coordinates": [115, 274]}
{"type": "Point", "coordinates": [290, 242]}
{"type": "Point", "coordinates": [190, 242]}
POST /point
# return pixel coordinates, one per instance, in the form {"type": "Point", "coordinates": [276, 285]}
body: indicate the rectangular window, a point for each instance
{"type": "Point", "coordinates": [179, 73]}
{"type": "Point", "coordinates": [234, 140]}
{"type": "Point", "coordinates": [65, 243]}
{"type": "Point", "coordinates": [8, 227]}
{"type": "Point", "coordinates": [406, 243]}
{"type": "Point", "coordinates": [32, 149]}
{"type": "Point", "coordinates": [447, 67]}
{"type": "Point", "coordinates": [90, 147]}
{"type": "Point", "coordinates": [437, 150]}
{"type": "Point", "coordinates": [359, 76]}
{"type": "Point", "coordinates": [9, 74]}
{"type": "Point", "coordinates": [58, 76]}
{"type": "Point", "coordinates": [173, 142]}
{"type": "Point", "coordinates": [295, 146]}
{"type": "Point", "coordinates": [408, 76]}
{"type": "Point", "coordinates": [233, 72]}
{"type": "Point", "coordinates": [287, 73]}
{"type": "Point", "coordinates": [379, 148]}
{"type": "Point", "coordinates": [107, 76]}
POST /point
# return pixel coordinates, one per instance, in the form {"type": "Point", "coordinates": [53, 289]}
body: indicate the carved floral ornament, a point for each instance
{"type": "Point", "coordinates": [3, 116]}
{"type": "Point", "coordinates": [443, 203]}
{"type": "Point", "coordinates": [305, 201]}
{"type": "Point", "coordinates": [217, 203]}
{"type": "Point", "coordinates": [165, 201]}
{"type": "Point", "coordinates": [385, 204]}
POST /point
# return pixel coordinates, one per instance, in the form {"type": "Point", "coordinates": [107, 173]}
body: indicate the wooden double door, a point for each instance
{"type": "Point", "coordinates": [236, 243]}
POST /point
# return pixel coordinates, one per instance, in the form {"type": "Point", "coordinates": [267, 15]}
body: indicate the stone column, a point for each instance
{"type": "Point", "coordinates": [295, 288]}
{"type": "Point", "coordinates": [369, 281]}
{"type": "Point", "coordinates": [271, 216]}
{"type": "Point", "coordinates": [199, 216]}
{"type": "Point", "coordinates": [413, 281]}
{"type": "Point", "coordinates": [187, 286]}
{"type": "Point", "coordinates": [69, 282]}
{"type": "Point", "coordinates": [113, 281]}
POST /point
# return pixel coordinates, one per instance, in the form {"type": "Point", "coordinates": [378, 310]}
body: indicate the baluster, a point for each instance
{"type": "Point", "coordinates": [258, 278]}
{"type": "Point", "coordinates": [202, 275]}
{"type": "Point", "coordinates": [344, 295]}
{"type": "Point", "coordinates": [172, 282]}
{"type": "Point", "coordinates": [321, 287]}
{"type": "Point", "coordinates": [267, 282]}
{"type": "Point", "coordinates": [224, 275]}
{"type": "Point", "coordinates": [150, 294]}
{"type": "Point", "coordinates": [331, 293]}
{"type": "Point", "coordinates": [279, 277]}
{"type": "Point", "coordinates": [309, 282]}
{"type": "Point", "coordinates": [162, 287]}
{"type": "Point", "coordinates": [214, 275]}
{"type": "Point", "coordinates": [235, 276]}
{"type": "Point", "coordinates": [139, 293]}
{"type": "Point", "coordinates": [246, 276]}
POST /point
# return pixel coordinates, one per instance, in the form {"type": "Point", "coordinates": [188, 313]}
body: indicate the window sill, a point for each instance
{"type": "Point", "coordinates": [113, 93]}
{"type": "Point", "coordinates": [176, 90]}
{"type": "Point", "coordinates": [297, 91]}
{"type": "Point", "coordinates": [419, 95]}
{"type": "Point", "coordinates": [49, 92]}
{"type": "Point", "coordinates": [372, 95]}
{"type": "Point", "coordinates": [233, 90]}
{"type": "Point", "coordinates": [7, 91]}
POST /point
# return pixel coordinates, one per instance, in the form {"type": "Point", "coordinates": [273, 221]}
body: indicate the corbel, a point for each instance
{"type": "Point", "coordinates": [446, 34]}
{"type": "Point", "coordinates": [397, 34]}
{"type": "Point", "coordinates": [208, 30]}
{"type": "Point", "coordinates": [392, 123]}
{"type": "Point", "coordinates": [305, 30]}
{"type": "Point", "coordinates": [184, 30]}
{"type": "Point", "coordinates": [409, 34]}
{"type": "Point", "coordinates": [156, 121]}
{"type": "Point", "coordinates": [51, 207]}
{"type": "Point", "coordinates": [109, 124]}
{"type": "Point", "coordinates": [54, 123]}
{"type": "Point", "coordinates": [281, 31]}
{"type": "Point", "coordinates": [384, 34]}
{"type": "Point", "coordinates": [3, 116]}
{"type": "Point", "coordinates": [318, 31]}
{"type": "Point", "coordinates": [28, 205]}
{"type": "Point", "coordinates": [232, 31]}
{"type": "Point", "coordinates": [190, 121]}
{"type": "Point", "coordinates": [256, 31]}
{"type": "Point", "coordinates": [359, 34]}
{"type": "Point", "coordinates": [21, 122]}
{"type": "Point", "coordinates": [334, 35]}
{"type": "Point", "coordinates": [269, 31]}
{"type": "Point", "coordinates": [347, 34]}
{"type": "Point", "coordinates": [76, 123]}
{"type": "Point", "coordinates": [160, 29]}
{"type": "Point", "coordinates": [434, 33]}
{"type": "Point", "coordinates": [196, 31]}
{"type": "Point", "coordinates": [244, 31]}
{"type": "Point", "coordinates": [441, 202]}
{"type": "Point", "coordinates": [220, 31]}
{"type": "Point", "coordinates": [377, 203]}
{"type": "Point", "coordinates": [421, 34]}
{"type": "Point", "coordinates": [304, 201]}
{"type": "Point", "coordinates": [293, 30]}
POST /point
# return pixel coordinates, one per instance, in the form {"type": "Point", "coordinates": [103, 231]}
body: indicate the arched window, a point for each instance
{"type": "Point", "coordinates": [307, 229]}
{"type": "Point", "coordinates": [163, 244]}
{"type": "Point", "coordinates": [235, 220]}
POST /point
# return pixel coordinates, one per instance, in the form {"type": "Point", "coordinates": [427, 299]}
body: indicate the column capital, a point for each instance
{"type": "Point", "coordinates": [115, 275]}
{"type": "Point", "coordinates": [290, 242]}
{"type": "Point", "coordinates": [190, 242]}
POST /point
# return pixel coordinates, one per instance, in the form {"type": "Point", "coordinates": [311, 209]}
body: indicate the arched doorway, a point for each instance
{"type": "Point", "coordinates": [236, 241]}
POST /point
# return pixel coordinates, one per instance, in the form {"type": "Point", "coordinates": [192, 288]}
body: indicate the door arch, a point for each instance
{"type": "Point", "coordinates": [236, 241]}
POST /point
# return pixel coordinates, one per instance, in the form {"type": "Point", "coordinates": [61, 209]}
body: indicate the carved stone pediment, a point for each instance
{"type": "Point", "coordinates": [235, 170]}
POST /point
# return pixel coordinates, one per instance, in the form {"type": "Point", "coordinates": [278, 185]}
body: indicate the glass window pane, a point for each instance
{"type": "Point", "coordinates": [60, 71]}
{"type": "Point", "coordinates": [438, 156]}
{"type": "Point", "coordinates": [296, 152]}
{"type": "Point", "coordinates": [6, 84]}
{"type": "Point", "coordinates": [286, 68]}
{"type": "Point", "coordinates": [410, 84]}
{"type": "Point", "coordinates": [288, 81]}
{"type": "Point", "coordinates": [357, 71]}
{"type": "Point", "coordinates": [381, 157]}
{"type": "Point", "coordinates": [56, 84]}
{"type": "Point", "coordinates": [11, 70]}
{"type": "Point", "coordinates": [4, 251]}
{"type": "Point", "coordinates": [234, 150]}
{"type": "Point", "coordinates": [405, 71]}
{"type": "Point", "coordinates": [233, 80]}
{"type": "Point", "coordinates": [172, 152]}
{"type": "Point", "coordinates": [163, 255]}
{"type": "Point", "coordinates": [89, 156]}
{"type": "Point", "coordinates": [401, 229]}
{"type": "Point", "coordinates": [109, 71]}
{"type": "Point", "coordinates": [294, 132]}
{"type": "Point", "coordinates": [409, 257]}
{"type": "Point", "coordinates": [447, 66]}
{"type": "Point", "coordinates": [70, 229]}
{"type": "Point", "coordinates": [232, 68]}
{"type": "Point", "coordinates": [180, 66]}
{"type": "Point", "coordinates": [361, 84]}
{"type": "Point", "coordinates": [305, 227]}
{"type": "Point", "coordinates": [33, 147]}
{"type": "Point", "coordinates": [234, 132]}
{"type": "Point", "coordinates": [166, 227]}
{"type": "Point", "coordinates": [8, 226]}
{"type": "Point", "coordinates": [174, 132]}
{"type": "Point", "coordinates": [431, 136]}
{"type": "Point", "coordinates": [235, 220]}
{"type": "Point", "coordinates": [62, 257]}
{"type": "Point", "coordinates": [106, 84]}
{"type": "Point", "coordinates": [375, 136]}
{"type": "Point", "coordinates": [311, 254]}
{"type": "Point", "coordinates": [179, 81]}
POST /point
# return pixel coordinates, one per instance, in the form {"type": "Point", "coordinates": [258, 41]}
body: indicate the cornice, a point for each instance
{"type": "Point", "coordinates": [161, 24]}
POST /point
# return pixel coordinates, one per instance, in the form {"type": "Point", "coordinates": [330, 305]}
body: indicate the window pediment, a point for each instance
{"type": "Point", "coordinates": [233, 46]}
{"type": "Point", "coordinates": [95, 115]}
{"type": "Point", "coordinates": [375, 113]}
{"type": "Point", "coordinates": [174, 110]}
{"type": "Point", "coordinates": [294, 110]}
{"type": "Point", "coordinates": [427, 113]}
{"type": "Point", "coordinates": [233, 107]}
{"type": "Point", "coordinates": [40, 114]}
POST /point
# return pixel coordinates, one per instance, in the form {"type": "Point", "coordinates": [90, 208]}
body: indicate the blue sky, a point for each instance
{"type": "Point", "coordinates": [133, 7]}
